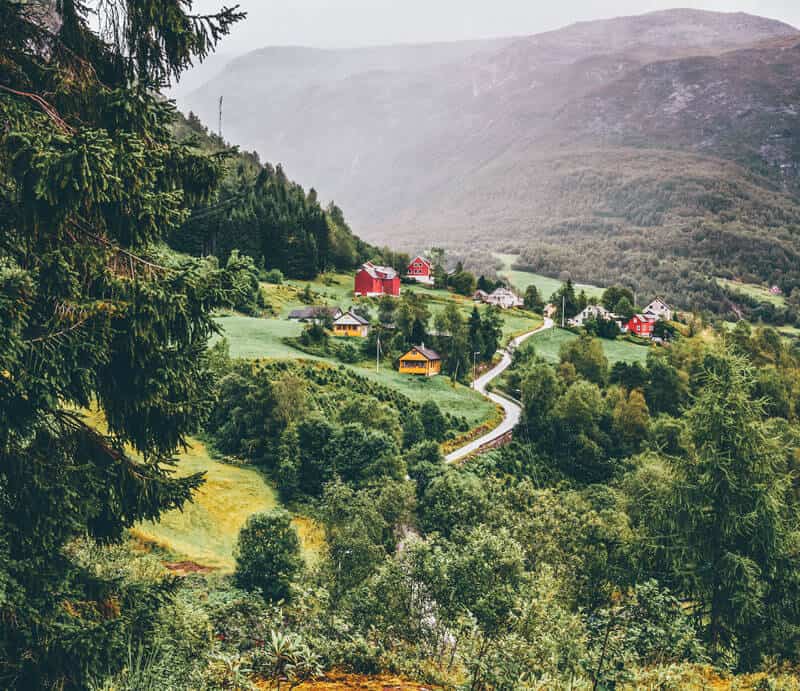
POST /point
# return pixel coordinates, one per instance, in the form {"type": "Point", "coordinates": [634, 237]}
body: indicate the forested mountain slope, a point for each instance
{"type": "Point", "coordinates": [258, 211]}
{"type": "Point", "coordinates": [639, 130]}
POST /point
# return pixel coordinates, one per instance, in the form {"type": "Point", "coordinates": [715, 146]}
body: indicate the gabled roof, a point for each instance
{"type": "Point", "coordinates": [421, 258]}
{"type": "Point", "coordinates": [352, 316]}
{"type": "Point", "coordinates": [643, 318]}
{"type": "Point", "coordinates": [657, 301]}
{"type": "Point", "coordinates": [427, 353]}
{"type": "Point", "coordinates": [376, 271]}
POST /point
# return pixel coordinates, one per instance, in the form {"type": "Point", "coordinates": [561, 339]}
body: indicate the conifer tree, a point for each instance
{"type": "Point", "coordinates": [94, 312]}
{"type": "Point", "coordinates": [731, 532]}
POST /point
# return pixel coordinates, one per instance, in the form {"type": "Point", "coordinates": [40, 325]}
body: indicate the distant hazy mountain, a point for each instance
{"type": "Point", "coordinates": [599, 130]}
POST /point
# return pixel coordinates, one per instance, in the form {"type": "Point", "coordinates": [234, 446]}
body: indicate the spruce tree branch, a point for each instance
{"type": "Point", "coordinates": [58, 334]}
{"type": "Point", "coordinates": [83, 227]}
{"type": "Point", "coordinates": [49, 110]}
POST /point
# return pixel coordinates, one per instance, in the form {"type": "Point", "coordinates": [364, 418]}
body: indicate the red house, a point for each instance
{"type": "Point", "coordinates": [421, 270]}
{"type": "Point", "coordinates": [372, 280]}
{"type": "Point", "coordinates": [641, 326]}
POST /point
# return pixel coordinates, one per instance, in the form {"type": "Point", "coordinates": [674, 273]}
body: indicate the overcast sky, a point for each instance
{"type": "Point", "coordinates": [336, 23]}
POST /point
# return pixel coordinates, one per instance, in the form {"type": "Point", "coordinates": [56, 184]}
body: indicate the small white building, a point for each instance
{"type": "Point", "coordinates": [504, 298]}
{"type": "Point", "coordinates": [593, 312]}
{"type": "Point", "coordinates": [658, 309]}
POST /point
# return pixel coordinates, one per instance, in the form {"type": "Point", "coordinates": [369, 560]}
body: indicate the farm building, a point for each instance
{"type": "Point", "coordinates": [372, 281]}
{"type": "Point", "coordinates": [641, 325]}
{"type": "Point", "coordinates": [421, 360]}
{"type": "Point", "coordinates": [593, 312]}
{"type": "Point", "coordinates": [658, 309]}
{"type": "Point", "coordinates": [317, 313]}
{"type": "Point", "coordinates": [352, 325]}
{"type": "Point", "coordinates": [421, 270]}
{"type": "Point", "coordinates": [504, 298]}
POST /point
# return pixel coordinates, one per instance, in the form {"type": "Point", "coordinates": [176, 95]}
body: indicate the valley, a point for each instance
{"type": "Point", "coordinates": [468, 365]}
{"type": "Point", "coordinates": [647, 147]}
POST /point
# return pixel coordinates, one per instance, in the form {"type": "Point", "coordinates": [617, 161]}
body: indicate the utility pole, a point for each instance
{"type": "Point", "coordinates": [563, 308]}
{"type": "Point", "coordinates": [378, 354]}
{"type": "Point", "coordinates": [220, 118]}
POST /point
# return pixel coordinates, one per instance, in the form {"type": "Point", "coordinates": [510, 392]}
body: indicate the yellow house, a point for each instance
{"type": "Point", "coordinates": [421, 360]}
{"type": "Point", "coordinates": [351, 324]}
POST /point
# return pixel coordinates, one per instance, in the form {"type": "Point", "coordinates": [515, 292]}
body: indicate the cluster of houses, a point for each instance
{"type": "Point", "coordinates": [372, 280]}
{"type": "Point", "coordinates": [640, 324]}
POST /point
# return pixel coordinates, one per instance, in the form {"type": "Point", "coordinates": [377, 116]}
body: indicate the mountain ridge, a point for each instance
{"type": "Point", "coordinates": [448, 147]}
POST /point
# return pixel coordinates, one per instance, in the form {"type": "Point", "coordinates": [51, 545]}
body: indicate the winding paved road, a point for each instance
{"type": "Point", "coordinates": [512, 410]}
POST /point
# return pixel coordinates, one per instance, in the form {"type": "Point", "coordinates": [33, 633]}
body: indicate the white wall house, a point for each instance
{"type": "Point", "coordinates": [658, 309]}
{"type": "Point", "coordinates": [592, 312]}
{"type": "Point", "coordinates": [504, 298]}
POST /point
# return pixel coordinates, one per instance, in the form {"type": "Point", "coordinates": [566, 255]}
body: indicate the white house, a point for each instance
{"type": "Point", "coordinates": [504, 298]}
{"type": "Point", "coordinates": [593, 312]}
{"type": "Point", "coordinates": [659, 310]}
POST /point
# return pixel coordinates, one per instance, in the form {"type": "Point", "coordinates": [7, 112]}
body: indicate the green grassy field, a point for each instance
{"type": "Point", "coordinates": [251, 337]}
{"type": "Point", "coordinates": [254, 337]}
{"type": "Point", "coordinates": [753, 291]}
{"type": "Point", "coordinates": [548, 343]}
{"type": "Point", "coordinates": [457, 400]}
{"type": "Point", "coordinates": [544, 284]}
{"type": "Point", "coordinates": [337, 289]}
{"type": "Point", "coordinates": [206, 530]}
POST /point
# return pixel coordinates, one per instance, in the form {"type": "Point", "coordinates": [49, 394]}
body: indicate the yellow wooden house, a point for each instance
{"type": "Point", "coordinates": [351, 325]}
{"type": "Point", "coordinates": [421, 360]}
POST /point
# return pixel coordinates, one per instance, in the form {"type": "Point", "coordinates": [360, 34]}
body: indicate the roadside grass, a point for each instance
{"type": "Point", "coordinates": [548, 343]}
{"type": "Point", "coordinates": [544, 284]}
{"type": "Point", "coordinates": [206, 530]}
{"type": "Point", "coordinates": [753, 291]}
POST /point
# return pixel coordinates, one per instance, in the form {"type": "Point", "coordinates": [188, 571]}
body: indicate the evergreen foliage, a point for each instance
{"type": "Point", "coordinates": [94, 313]}
{"type": "Point", "coordinates": [258, 211]}
{"type": "Point", "coordinates": [268, 555]}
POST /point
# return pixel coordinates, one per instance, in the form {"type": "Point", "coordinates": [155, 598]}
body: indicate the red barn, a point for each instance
{"type": "Point", "coordinates": [421, 270]}
{"type": "Point", "coordinates": [372, 280]}
{"type": "Point", "coordinates": [641, 326]}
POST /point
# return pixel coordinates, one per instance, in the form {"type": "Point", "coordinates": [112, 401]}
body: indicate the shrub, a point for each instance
{"type": "Point", "coordinates": [274, 276]}
{"type": "Point", "coordinates": [268, 555]}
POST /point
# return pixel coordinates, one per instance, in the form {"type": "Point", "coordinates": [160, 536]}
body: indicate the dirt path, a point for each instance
{"type": "Point", "coordinates": [511, 409]}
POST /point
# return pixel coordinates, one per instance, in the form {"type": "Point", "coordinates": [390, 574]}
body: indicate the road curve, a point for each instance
{"type": "Point", "coordinates": [511, 410]}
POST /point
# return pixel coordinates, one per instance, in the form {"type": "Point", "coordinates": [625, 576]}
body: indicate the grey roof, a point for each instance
{"type": "Point", "coordinates": [313, 312]}
{"type": "Point", "coordinates": [379, 271]}
{"type": "Point", "coordinates": [427, 352]}
{"type": "Point", "coordinates": [355, 316]}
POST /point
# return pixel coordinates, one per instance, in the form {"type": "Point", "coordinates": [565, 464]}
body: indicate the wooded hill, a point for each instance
{"type": "Point", "coordinates": [259, 211]}
{"type": "Point", "coordinates": [657, 150]}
